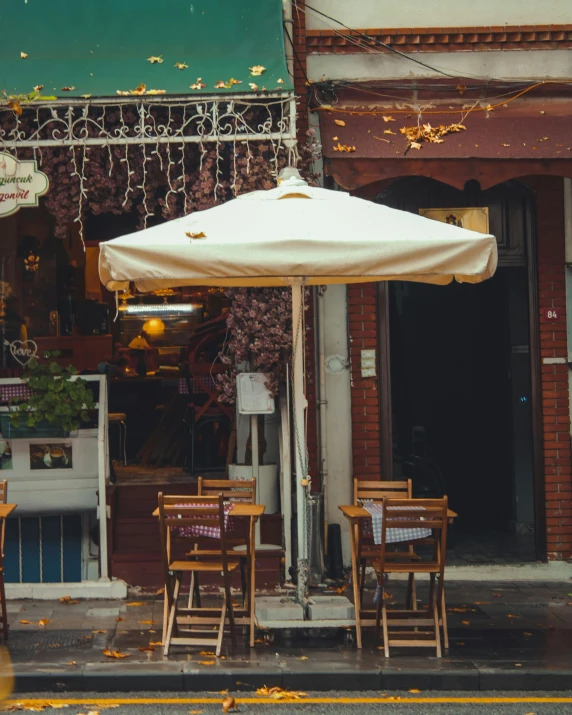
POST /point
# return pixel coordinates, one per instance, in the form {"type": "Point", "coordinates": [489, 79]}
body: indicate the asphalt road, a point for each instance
{"type": "Point", "coordinates": [332, 703]}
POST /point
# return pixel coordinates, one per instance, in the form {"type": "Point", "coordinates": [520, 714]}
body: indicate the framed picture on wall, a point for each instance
{"type": "Point", "coordinates": [51, 456]}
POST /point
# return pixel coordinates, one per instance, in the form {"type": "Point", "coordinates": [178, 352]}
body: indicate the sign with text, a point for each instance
{"type": "Point", "coordinates": [21, 184]}
{"type": "Point", "coordinates": [474, 219]}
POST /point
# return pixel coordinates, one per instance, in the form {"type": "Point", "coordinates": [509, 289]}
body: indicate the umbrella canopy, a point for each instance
{"type": "Point", "coordinates": [299, 231]}
{"type": "Point", "coordinates": [296, 235]}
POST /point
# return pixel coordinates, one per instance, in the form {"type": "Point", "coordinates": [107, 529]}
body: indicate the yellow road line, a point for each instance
{"type": "Point", "coordinates": [271, 701]}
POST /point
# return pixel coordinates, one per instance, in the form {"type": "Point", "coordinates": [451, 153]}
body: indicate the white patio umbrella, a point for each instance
{"type": "Point", "coordinates": [315, 237]}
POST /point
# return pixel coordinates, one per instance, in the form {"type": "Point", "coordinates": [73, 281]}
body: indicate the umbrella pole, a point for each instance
{"type": "Point", "coordinates": [300, 459]}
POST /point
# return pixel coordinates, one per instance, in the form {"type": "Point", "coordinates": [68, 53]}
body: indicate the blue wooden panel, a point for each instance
{"type": "Point", "coordinates": [51, 549]}
{"type": "Point", "coordinates": [11, 552]}
{"type": "Point", "coordinates": [72, 547]}
{"type": "Point", "coordinates": [30, 549]}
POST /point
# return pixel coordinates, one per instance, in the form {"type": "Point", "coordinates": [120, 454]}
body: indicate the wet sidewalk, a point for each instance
{"type": "Point", "coordinates": [502, 636]}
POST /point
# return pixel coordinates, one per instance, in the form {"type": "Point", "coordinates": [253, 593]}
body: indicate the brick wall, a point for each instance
{"type": "Point", "coordinates": [300, 70]}
{"type": "Point", "coordinates": [365, 403]}
{"type": "Point", "coordinates": [555, 398]}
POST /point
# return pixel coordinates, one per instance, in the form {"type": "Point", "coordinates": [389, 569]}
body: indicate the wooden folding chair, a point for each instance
{"type": "Point", "coordinates": [414, 514]}
{"type": "Point", "coordinates": [233, 490]}
{"type": "Point", "coordinates": [364, 491]}
{"type": "Point", "coordinates": [190, 513]}
{"type": "Point", "coordinates": [4, 611]}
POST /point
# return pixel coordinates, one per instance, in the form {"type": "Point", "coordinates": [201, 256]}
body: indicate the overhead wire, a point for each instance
{"type": "Point", "coordinates": [488, 108]}
{"type": "Point", "coordinates": [371, 43]}
{"type": "Point", "coordinates": [376, 42]}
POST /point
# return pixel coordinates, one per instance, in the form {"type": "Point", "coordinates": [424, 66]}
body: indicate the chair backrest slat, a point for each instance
{"type": "Point", "coordinates": [377, 490]}
{"type": "Point", "coordinates": [239, 490]}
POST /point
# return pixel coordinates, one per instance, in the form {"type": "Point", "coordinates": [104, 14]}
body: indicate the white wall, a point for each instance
{"type": "Point", "coordinates": [338, 414]}
{"type": "Point", "coordinates": [365, 14]}
{"type": "Point", "coordinates": [534, 64]}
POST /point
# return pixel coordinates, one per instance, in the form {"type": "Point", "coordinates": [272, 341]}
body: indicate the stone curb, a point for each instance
{"type": "Point", "coordinates": [187, 677]}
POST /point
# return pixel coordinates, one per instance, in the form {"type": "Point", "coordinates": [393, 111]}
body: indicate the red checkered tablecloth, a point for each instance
{"type": "Point", "coordinates": [373, 527]}
{"type": "Point", "coordinates": [212, 532]}
{"type": "Point", "coordinates": [196, 386]}
{"type": "Point", "coordinates": [11, 392]}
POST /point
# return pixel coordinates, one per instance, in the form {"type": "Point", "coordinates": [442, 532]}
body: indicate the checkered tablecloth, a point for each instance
{"type": "Point", "coordinates": [197, 388]}
{"type": "Point", "coordinates": [374, 527]}
{"type": "Point", "coordinates": [211, 532]}
{"type": "Point", "coordinates": [11, 392]}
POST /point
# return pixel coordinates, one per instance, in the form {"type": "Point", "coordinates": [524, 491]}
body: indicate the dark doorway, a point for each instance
{"type": "Point", "coordinates": [461, 385]}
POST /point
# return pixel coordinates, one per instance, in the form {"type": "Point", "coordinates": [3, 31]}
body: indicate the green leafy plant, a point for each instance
{"type": "Point", "coordinates": [58, 398]}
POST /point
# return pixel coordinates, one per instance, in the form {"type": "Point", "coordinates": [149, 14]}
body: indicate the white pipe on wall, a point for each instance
{"type": "Point", "coordinates": [323, 404]}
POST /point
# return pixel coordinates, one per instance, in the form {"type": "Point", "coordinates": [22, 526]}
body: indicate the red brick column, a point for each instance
{"type": "Point", "coordinates": [365, 403]}
{"type": "Point", "coordinates": [300, 70]}
{"type": "Point", "coordinates": [553, 347]}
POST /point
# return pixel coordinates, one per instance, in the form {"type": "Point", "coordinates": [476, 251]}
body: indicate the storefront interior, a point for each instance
{"type": "Point", "coordinates": [461, 383]}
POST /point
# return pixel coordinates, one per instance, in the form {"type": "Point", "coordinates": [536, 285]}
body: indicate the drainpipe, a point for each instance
{"type": "Point", "coordinates": [568, 257]}
{"type": "Point", "coordinates": [323, 404]}
{"type": "Point", "coordinates": [288, 36]}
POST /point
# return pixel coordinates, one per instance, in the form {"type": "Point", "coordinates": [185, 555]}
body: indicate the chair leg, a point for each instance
{"type": "Point", "coordinates": [433, 606]}
{"type": "Point", "coordinates": [362, 580]}
{"type": "Point", "coordinates": [385, 627]}
{"type": "Point", "coordinates": [444, 620]}
{"type": "Point", "coordinates": [227, 609]}
{"type": "Point", "coordinates": [243, 581]}
{"type": "Point", "coordinates": [221, 627]}
{"type": "Point", "coordinates": [378, 611]}
{"type": "Point", "coordinates": [124, 425]}
{"type": "Point", "coordinates": [172, 624]}
{"type": "Point", "coordinates": [413, 593]}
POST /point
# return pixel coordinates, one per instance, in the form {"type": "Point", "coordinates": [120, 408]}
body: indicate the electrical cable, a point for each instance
{"type": "Point", "coordinates": [488, 108]}
{"type": "Point", "coordinates": [373, 41]}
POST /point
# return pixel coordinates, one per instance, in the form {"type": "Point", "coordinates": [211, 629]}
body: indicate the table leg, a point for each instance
{"type": "Point", "coordinates": [252, 574]}
{"type": "Point", "coordinates": [355, 580]}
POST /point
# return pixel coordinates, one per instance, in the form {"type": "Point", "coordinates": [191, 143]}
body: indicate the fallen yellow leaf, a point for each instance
{"type": "Point", "coordinates": [68, 89]}
{"type": "Point", "coordinates": [257, 70]}
{"type": "Point", "coordinates": [414, 690]}
{"type": "Point", "coordinates": [119, 619]}
{"type": "Point", "coordinates": [388, 119]}
{"type": "Point", "coordinates": [181, 65]}
{"type": "Point", "coordinates": [206, 662]}
{"type": "Point", "coordinates": [68, 600]}
{"type": "Point", "coordinates": [147, 648]}
{"type": "Point", "coordinates": [15, 106]}
{"type": "Point", "coordinates": [340, 122]}
{"type": "Point", "coordinates": [147, 623]}
{"type": "Point", "coordinates": [198, 234]}
{"type": "Point", "coordinates": [114, 654]}
{"type": "Point", "coordinates": [303, 657]}
{"type": "Point", "coordinates": [24, 55]}
{"type": "Point", "coordinates": [280, 693]}
{"type": "Point", "coordinates": [465, 623]}
{"type": "Point", "coordinates": [228, 704]}
{"type": "Point", "coordinates": [207, 653]}
{"type": "Point", "coordinates": [155, 60]}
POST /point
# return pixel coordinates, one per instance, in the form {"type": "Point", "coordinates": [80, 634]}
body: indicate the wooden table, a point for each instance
{"type": "Point", "coordinates": [354, 514]}
{"type": "Point", "coordinates": [244, 617]}
{"type": "Point", "coordinates": [6, 510]}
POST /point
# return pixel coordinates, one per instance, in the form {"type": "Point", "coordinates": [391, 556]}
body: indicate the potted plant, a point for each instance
{"type": "Point", "coordinates": [57, 405]}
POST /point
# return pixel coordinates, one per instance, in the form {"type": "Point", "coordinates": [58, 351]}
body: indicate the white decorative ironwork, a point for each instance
{"type": "Point", "coordinates": [165, 121]}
